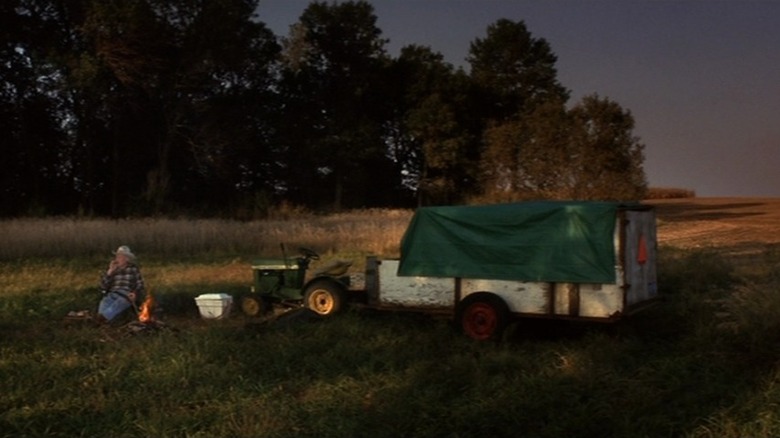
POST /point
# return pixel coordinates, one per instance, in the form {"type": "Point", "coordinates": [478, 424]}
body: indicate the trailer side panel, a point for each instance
{"type": "Point", "coordinates": [413, 292]}
{"type": "Point", "coordinates": [520, 297]}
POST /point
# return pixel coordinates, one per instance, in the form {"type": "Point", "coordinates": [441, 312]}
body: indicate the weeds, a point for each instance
{"type": "Point", "coordinates": [371, 231]}
{"type": "Point", "coordinates": [701, 364]}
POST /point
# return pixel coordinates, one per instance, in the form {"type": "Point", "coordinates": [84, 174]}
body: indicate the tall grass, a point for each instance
{"type": "Point", "coordinates": [370, 231]}
{"type": "Point", "coordinates": [703, 363]}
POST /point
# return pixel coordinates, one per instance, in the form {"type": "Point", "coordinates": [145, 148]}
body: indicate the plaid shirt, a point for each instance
{"type": "Point", "coordinates": [123, 281]}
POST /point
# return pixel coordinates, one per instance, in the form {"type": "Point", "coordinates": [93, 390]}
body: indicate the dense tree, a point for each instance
{"type": "Point", "coordinates": [34, 170]}
{"type": "Point", "coordinates": [114, 53]}
{"type": "Point", "coordinates": [199, 88]}
{"type": "Point", "coordinates": [527, 157]}
{"type": "Point", "coordinates": [123, 107]}
{"type": "Point", "coordinates": [428, 135]}
{"type": "Point", "coordinates": [334, 98]}
{"type": "Point", "coordinates": [164, 101]}
{"type": "Point", "coordinates": [514, 70]}
{"type": "Point", "coordinates": [607, 163]}
{"type": "Point", "coordinates": [218, 101]}
{"type": "Point", "coordinates": [585, 153]}
{"type": "Point", "coordinates": [533, 146]}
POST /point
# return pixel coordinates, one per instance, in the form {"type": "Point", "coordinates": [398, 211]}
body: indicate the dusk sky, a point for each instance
{"type": "Point", "coordinates": [701, 78]}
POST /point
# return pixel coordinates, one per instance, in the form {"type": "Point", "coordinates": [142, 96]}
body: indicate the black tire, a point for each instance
{"type": "Point", "coordinates": [482, 316]}
{"type": "Point", "coordinates": [253, 305]}
{"type": "Point", "coordinates": [324, 298]}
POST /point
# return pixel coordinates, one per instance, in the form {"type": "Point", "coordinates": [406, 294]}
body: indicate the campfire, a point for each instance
{"type": "Point", "coordinates": [145, 313]}
{"type": "Point", "coordinates": [147, 322]}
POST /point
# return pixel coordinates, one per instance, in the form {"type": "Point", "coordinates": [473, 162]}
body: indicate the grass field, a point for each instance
{"type": "Point", "coordinates": [704, 363]}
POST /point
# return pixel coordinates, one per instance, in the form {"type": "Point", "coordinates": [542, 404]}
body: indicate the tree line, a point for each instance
{"type": "Point", "coordinates": [146, 107]}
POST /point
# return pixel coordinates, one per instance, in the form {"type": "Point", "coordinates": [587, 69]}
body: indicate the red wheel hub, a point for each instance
{"type": "Point", "coordinates": [480, 321]}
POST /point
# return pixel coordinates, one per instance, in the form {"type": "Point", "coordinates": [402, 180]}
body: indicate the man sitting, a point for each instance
{"type": "Point", "coordinates": [122, 285]}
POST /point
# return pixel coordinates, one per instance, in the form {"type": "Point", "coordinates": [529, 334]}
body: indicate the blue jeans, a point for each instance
{"type": "Point", "coordinates": [112, 305]}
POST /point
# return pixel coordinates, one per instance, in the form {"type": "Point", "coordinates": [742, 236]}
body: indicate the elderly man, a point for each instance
{"type": "Point", "coordinates": [122, 285]}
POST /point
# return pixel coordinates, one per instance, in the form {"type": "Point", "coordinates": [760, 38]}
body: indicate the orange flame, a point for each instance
{"type": "Point", "coordinates": [145, 314]}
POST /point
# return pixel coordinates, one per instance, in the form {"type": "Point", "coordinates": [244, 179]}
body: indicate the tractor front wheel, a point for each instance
{"type": "Point", "coordinates": [324, 298]}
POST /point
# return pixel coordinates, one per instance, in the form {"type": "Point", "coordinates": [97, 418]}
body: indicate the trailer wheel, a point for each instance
{"type": "Point", "coordinates": [253, 305]}
{"type": "Point", "coordinates": [482, 316]}
{"type": "Point", "coordinates": [324, 298]}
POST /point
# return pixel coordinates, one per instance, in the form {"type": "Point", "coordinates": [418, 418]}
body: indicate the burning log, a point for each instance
{"type": "Point", "coordinates": [145, 314]}
{"type": "Point", "coordinates": [146, 322]}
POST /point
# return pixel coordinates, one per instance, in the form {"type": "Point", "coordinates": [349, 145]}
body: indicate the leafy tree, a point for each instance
{"type": "Point", "coordinates": [334, 107]}
{"type": "Point", "coordinates": [527, 157]}
{"type": "Point", "coordinates": [166, 102]}
{"type": "Point", "coordinates": [218, 100]}
{"type": "Point", "coordinates": [515, 71]}
{"type": "Point", "coordinates": [608, 160]}
{"type": "Point", "coordinates": [114, 56]}
{"type": "Point", "coordinates": [533, 146]}
{"type": "Point", "coordinates": [34, 170]}
{"type": "Point", "coordinates": [428, 136]}
{"type": "Point", "coordinates": [585, 153]}
{"type": "Point", "coordinates": [150, 106]}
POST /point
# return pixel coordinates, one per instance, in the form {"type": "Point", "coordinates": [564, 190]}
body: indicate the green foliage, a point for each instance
{"type": "Point", "coordinates": [429, 136]}
{"type": "Point", "coordinates": [697, 273]}
{"type": "Point", "coordinates": [608, 158]}
{"type": "Point", "coordinates": [585, 153]}
{"type": "Point", "coordinates": [157, 100]}
{"type": "Point", "coordinates": [529, 158]}
{"type": "Point", "coordinates": [750, 311]}
{"type": "Point", "coordinates": [335, 58]}
{"type": "Point", "coordinates": [141, 108]}
{"type": "Point", "coordinates": [517, 70]}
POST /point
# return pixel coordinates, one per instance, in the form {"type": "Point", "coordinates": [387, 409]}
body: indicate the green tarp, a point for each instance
{"type": "Point", "coordinates": [550, 241]}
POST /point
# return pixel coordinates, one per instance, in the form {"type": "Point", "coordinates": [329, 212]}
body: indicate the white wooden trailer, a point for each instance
{"type": "Point", "coordinates": [484, 306]}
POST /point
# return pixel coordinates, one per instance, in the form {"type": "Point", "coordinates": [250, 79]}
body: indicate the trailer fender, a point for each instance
{"type": "Point", "coordinates": [482, 316]}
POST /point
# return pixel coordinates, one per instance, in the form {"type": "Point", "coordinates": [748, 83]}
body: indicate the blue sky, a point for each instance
{"type": "Point", "coordinates": [701, 77]}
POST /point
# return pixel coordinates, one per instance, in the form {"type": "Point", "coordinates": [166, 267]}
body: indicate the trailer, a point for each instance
{"type": "Point", "coordinates": [484, 266]}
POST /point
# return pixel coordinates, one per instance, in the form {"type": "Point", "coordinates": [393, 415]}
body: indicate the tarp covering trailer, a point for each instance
{"type": "Point", "coordinates": [529, 241]}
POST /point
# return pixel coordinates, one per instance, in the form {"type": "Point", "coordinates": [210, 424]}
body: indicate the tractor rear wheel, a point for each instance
{"type": "Point", "coordinates": [324, 298]}
{"type": "Point", "coordinates": [482, 316]}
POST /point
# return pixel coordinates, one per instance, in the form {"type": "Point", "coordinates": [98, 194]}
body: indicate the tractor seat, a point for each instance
{"type": "Point", "coordinates": [334, 268]}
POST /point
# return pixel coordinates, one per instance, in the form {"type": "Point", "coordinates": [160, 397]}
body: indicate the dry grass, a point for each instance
{"type": "Point", "coordinates": [375, 232]}
{"type": "Point", "coordinates": [726, 223]}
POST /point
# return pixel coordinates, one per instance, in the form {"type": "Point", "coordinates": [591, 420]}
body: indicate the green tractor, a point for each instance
{"type": "Point", "coordinates": [282, 282]}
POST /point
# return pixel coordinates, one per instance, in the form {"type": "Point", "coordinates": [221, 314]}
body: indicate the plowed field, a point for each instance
{"type": "Point", "coordinates": [738, 224]}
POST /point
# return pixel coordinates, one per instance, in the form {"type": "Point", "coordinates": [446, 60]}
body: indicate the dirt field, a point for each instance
{"type": "Point", "coordinates": [738, 224]}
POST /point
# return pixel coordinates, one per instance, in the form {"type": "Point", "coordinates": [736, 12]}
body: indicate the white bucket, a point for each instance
{"type": "Point", "coordinates": [214, 306]}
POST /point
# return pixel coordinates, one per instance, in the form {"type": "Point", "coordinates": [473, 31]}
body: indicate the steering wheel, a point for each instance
{"type": "Point", "coordinates": [309, 254]}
